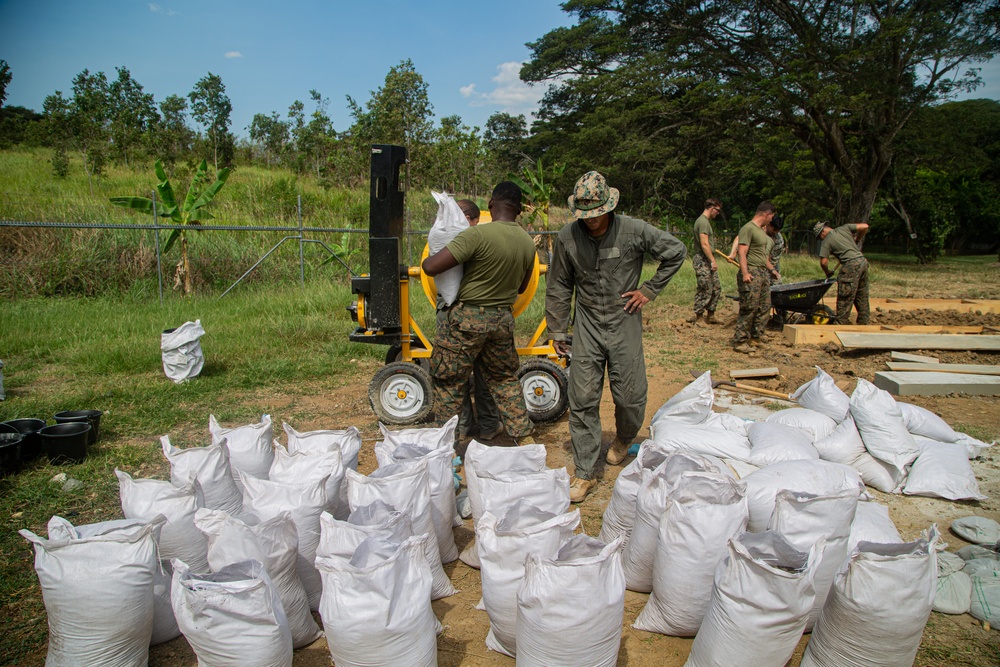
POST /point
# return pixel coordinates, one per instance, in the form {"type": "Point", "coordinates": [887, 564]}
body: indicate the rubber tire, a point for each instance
{"type": "Point", "coordinates": [395, 353]}
{"type": "Point", "coordinates": [822, 314]}
{"type": "Point", "coordinates": [416, 379]}
{"type": "Point", "coordinates": [554, 376]}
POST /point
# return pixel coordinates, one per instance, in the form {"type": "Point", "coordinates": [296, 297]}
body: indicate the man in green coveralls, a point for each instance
{"type": "Point", "coordinates": [706, 271]}
{"type": "Point", "coordinates": [599, 257]}
{"type": "Point", "coordinates": [498, 259]}
{"type": "Point", "coordinates": [852, 281]}
{"type": "Point", "coordinates": [754, 280]}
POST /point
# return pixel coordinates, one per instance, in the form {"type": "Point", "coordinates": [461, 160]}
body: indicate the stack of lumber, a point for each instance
{"type": "Point", "coordinates": [916, 375]}
{"type": "Point", "coordinates": [958, 305]}
{"type": "Point", "coordinates": [819, 334]}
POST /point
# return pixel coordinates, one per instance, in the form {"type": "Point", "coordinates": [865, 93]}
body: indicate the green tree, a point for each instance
{"type": "Point", "coordinates": [504, 139]}
{"type": "Point", "coordinates": [314, 139]}
{"type": "Point", "coordinates": [456, 158]}
{"type": "Point", "coordinates": [80, 123]}
{"type": "Point", "coordinates": [132, 114]}
{"type": "Point", "coordinates": [537, 186]}
{"type": "Point", "coordinates": [172, 136]}
{"type": "Point", "coordinates": [270, 134]}
{"type": "Point", "coordinates": [5, 79]}
{"type": "Point", "coordinates": [211, 108]}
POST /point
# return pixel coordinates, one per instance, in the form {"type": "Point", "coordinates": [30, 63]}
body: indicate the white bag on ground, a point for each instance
{"type": "Point", "coordinates": [570, 608]}
{"type": "Point", "coordinates": [232, 618]}
{"type": "Point", "coordinates": [817, 477]}
{"type": "Point", "coordinates": [347, 441]}
{"type": "Point", "coordinates": [180, 349]}
{"type": "Point", "coordinates": [305, 501]}
{"type": "Point", "coordinates": [97, 586]}
{"type": "Point", "coordinates": [437, 437]}
{"type": "Point", "coordinates": [210, 467]}
{"type": "Point", "coordinates": [845, 446]}
{"type": "Point", "coordinates": [449, 222]}
{"type": "Point", "coordinates": [953, 594]}
{"type": "Point", "coordinates": [772, 442]}
{"type": "Point", "coordinates": [673, 435]}
{"type": "Point", "coordinates": [822, 395]}
{"type": "Point", "coordinates": [816, 423]}
{"type": "Point", "coordinates": [804, 519]}
{"type": "Point", "coordinates": [872, 524]}
{"type": "Point", "coordinates": [921, 421]}
{"type": "Point", "coordinates": [978, 551]}
{"type": "Point", "coordinates": [145, 499]}
{"type": "Point", "coordinates": [691, 405]}
{"type": "Point", "coordinates": [441, 477]}
{"type": "Point", "coordinates": [982, 567]}
{"type": "Point", "coordinates": [762, 596]}
{"type": "Point", "coordinates": [977, 530]}
{"type": "Point", "coordinates": [164, 624]}
{"type": "Point", "coordinates": [503, 544]}
{"type": "Point", "coordinates": [619, 515]}
{"type": "Point", "coordinates": [250, 450]}
{"type": "Point", "coordinates": [273, 543]}
{"type": "Point", "coordinates": [703, 513]}
{"type": "Point", "coordinates": [943, 470]}
{"type": "Point", "coordinates": [379, 613]}
{"type": "Point", "coordinates": [546, 489]}
{"type": "Point", "coordinates": [407, 489]}
{"type": "Point", "coordinates": [878, 606]}
{"type": "Point", "coordinates": [985, 603]}
{"type": "Point", "coordinates": [881, 425]}
{"type": "Point", "coordinates": [310, 467]}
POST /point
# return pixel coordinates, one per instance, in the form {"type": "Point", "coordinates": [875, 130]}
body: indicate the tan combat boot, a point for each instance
{"type": "Point", "coordinates": [579, 488]}
{"type": "Point", "coordinates": [710, 317]}
{"type": "Point", "coordinates": [693, 319]}
{"type": "Point", "coordinates": [617, 453]}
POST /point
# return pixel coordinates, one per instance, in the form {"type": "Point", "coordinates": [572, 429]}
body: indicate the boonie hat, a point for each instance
{"type": "Point", "coordinates": [818, 228]}
{"type": "Point", "coordinates": [592, 197]}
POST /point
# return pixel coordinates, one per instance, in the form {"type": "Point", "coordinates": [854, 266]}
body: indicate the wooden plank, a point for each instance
{"type": "Point", "coordinates": [915, 358]}
{"type": "Point", "coordinates": [818, 334]}
{"type": "Point", "coordinates": [740, 374]}
{"type": "Point", "coordinates": [960, 305]}
{"type": "Point", "coordinates": [936, 384]}
{"type": "Point", "coordinates": [971, 369]}
{"type": "Point", "coordinates": [916, 341]}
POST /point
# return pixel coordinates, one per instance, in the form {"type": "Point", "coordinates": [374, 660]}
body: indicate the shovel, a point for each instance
{"type": "Point", "coordinates": [745, 387]}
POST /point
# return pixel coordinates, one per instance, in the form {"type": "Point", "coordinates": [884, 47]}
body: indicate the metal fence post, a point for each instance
{"type": "Point", "coordinates": [156, 236]}
{"type": "Point", "coordinates": [302, 265]}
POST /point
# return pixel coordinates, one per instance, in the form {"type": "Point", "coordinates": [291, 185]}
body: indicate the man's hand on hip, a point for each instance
{"type": "Point", "coordinates": [636, 300]}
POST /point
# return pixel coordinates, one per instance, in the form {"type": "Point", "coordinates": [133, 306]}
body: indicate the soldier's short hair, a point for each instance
{"type": "Point", "coordinates": [713, 203]}
{"type": "Point", "coordinates": [777, 222]}
{"type": "Point", "coordinates": [508, 192]}
{"type": "Point", "coordinates": [469, 208]}
{"type": "Point", "coordinates": [766, 207]}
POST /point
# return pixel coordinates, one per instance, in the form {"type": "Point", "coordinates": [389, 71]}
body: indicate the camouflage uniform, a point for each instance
{"type": "Point", "coordinates": [852, 290]}
{"type": "Point", "coordinates": [755, 305]}
{"type": "Point", "coordinates": [486, 334]}
{"type": "Point", "coordinates": [776, 251]}
{"type": "Point", "coordinates": [484, 414]}
{"type": "Point", "coordinates": [709, 289]}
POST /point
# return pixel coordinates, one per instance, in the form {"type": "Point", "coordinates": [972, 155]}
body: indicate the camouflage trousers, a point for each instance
{"type": "Point", "coordinates": [706, 296]}
{"type": "Point", "coordinates": [480, 338]}
{"type": "Point", "coordinates": [484, 413]}
{"type": "Point", "coordinates": [852, 290]}
{"type": "Point", "coordinates": [755, 305]}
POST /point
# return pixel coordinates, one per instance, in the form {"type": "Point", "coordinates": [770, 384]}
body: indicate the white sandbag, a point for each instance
{"type": "Point", "coordinates": [977, 530]}
{"type": "Point", "coordinates": [872, 524]}
{"type": "Point", "coordinates": [250, 450]}
{"type": "Point", "coordinates": [845, 446]}
{"type": "Point", "coordinates": [691, 405]}
{"type": "Point", "coordinates": [877, 608]}
{"type": "Point", "coordinates": [448, 223]}
{"type": "Point", "coordinates": [703, 513]}
{"type": "Point", "coordinates": [347, 441]}
{"type": "Point", "coordinates": [982, 567]}
{"type": "Point", "coordinates": [943, 471]}
{"type": "Point", "coordinates": [380, 613]}
{"type": "Point", "coordinates": [985, 602]}
{"type": "Point", "coordinates": [805, 519]}
{"type": "Point", "coordinates": [503, 543]}
{"type": "Point", "coordinates": [305, 501]}
{"type": "Point", "coordinates": [273, 543]}
{"type": "Point", "coordinates": [619, 515]}
{"type": "Point", "coordinates": [145, 499]}
{"type": "Point", "coordinates": [760, 601]}
{"type": "Point", "coordinates": [310, 466]}
{"type": "Point", "coordinates": [953, 593]}
{"type": "Point", "coordinates": [210, 467]}
{"type": "Point", "coordinates": [164, 624]}
{"type": "Point", "coordinates": [739, 469]}
{"type": "Point", "coordinates": [817, 424]}
{"type": "Point", "coordinates": [438, 437]}
{"type": "Point", "coordinates": [673, 435]}
{"type": "Point", "coordinates": [977, 551]}
{"type": "Point", "coordinates": [727, 421]}
{"type": "Point", "coordinates": [407, 489]}
{"type": "Point", "coordinates": [822, 395]}
{"type": "Point", "coordinates": [546, 489]}
{"type": "Point", "coordinates": [97, 586]}
{"type": "Point", "coordinates": [772, 442]}
{"type": "Point", "coordinates": [923, 423]}
{"type": "Point", "coordinates": [882, 429]}
{"type": "Point", "coordinates": [817, 477]}
{"type": "Point", "coordinates": [180, 351]}
{"type": "Point", "coordinates": [440, 475]}
{"type": "Point", "coordinates": [232, 618]}
{"type": "Point", "coordinates": [570, 608]}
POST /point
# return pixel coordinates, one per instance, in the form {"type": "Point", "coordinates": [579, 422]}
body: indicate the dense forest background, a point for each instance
{"type": "Point", "coordinates": [840, 111]}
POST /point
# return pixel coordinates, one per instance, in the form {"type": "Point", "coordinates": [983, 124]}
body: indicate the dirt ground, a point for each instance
{"type": "Point", "coordinates": [672, 348]}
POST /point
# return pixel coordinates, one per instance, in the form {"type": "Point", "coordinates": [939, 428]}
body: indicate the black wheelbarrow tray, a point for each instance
{"type": "Point", "coordinates": [804, 298]}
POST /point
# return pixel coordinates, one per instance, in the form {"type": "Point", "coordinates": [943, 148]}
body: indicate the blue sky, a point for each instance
{"type": "Point", "coordinates": [271, 53]}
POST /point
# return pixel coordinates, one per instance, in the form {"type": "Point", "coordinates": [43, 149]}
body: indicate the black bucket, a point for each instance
{"type": "Point", "coordinates": [92, 417]}
{"type": "Point", "coordinates": [67, 442]}
{"type": "Point", "coordinates": [31, 446]}
{"type": "Point", "coordinates": [10, 450]}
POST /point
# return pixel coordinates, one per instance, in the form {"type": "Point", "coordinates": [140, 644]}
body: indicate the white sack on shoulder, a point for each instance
{"type": "Point", "coordinates": [872, 524]}
{"type": "Point", "coordinates": [817, 477]}
{"type": "Point", "coordinates": [570, 608]}
{"type": "Point", "coordinates": [816, 423]}
{"type": "Point", "coordinates": [232, 618]}
{"type": "Point", "coordinates": [882, 429]}
{"type": "Point", "coordinates": [450, 221]}
{"type": "Point", "coordinates": [977, 530]}
{"type": "Point", "coordinates": [691, 405]}
{"type": "Point", "coordinates": [824, 396]}
{"type": "Point", "coordinates": [250, 450]}
{"type": "Point", "coordinates": [673, 435]}
{"type": "Point", "coordinates": [943, 471]}
{"type": "Point", "coordinates": [210, 467]}
{"type": "Point", "coordinates": [180, 351]}
{"type": "Point", "coordinates": [878, 607]}
{"type": "Point", "coordinates": [773, 442]}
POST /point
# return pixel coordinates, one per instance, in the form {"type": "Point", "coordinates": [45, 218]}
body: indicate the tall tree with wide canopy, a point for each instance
{"type": "Point", "coordinates": [211, 107]}
{"type": "Point", "coordinates": [842, 77]}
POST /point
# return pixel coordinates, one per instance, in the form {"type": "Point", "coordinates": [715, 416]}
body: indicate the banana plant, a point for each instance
{"type": "Point", "coordinates": [190, 212]}
{"type": "Point", "coordinates": [538, 189]}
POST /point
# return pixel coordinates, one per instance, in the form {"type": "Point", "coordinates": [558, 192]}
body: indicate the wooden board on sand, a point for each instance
{"type": "Point", "coordinates": [743, 373]}
{"type": "Point", "coordinates": [819, 334]}
{"type": "Point", "coordinates": [959, 305]}
{"type": "Point", "coordinates": [971, 369]}
{"type": "Point", "coordinates": [913, 358]}
{"type": "Point", "coordinates": [917, 341]}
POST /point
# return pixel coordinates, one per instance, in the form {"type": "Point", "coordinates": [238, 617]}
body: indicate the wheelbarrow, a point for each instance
{"type": "Point", "coordinates": [803, 298]}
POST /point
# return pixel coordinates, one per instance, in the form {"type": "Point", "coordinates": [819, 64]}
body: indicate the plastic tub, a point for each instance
{"type": "Point", "coordinates": [67, 442]}
{"type": "Point", "coordinates": [10, 450]}
{"type": "Point", "coordinates": [31, 446]}
{"type": "Point", "coordinates": [92, 417]}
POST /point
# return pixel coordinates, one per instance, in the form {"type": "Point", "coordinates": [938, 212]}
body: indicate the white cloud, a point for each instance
{"type": "Point", "coordinates": [233, 54]}
{"type": "Point", "coordinates": [509, 93]}
{"type": "Point", "coordinates": [156, 9]}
